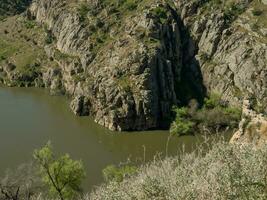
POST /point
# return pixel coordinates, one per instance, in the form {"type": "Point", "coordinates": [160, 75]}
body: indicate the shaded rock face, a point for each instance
{"type": "Point", "coordinates": [232, 55]}
{"type": "Point", "coordinates": [252, 128]}
{"type": "Point", "coordinates": [134, 79]}
{"type": "Point", "coordinates": [80, 106]}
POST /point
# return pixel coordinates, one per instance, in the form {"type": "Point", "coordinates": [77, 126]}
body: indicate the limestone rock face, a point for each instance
{"type": "Point", "coordinates": [80, 106]}
{"type": "Point", "coordinates": [232, 53]}
{"type": "Point", "coordinates": [135, 73]}
{"type": "Point", "coordinates": [252, 128]}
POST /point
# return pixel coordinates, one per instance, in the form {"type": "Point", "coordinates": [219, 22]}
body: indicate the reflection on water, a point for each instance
{"type": "Point", "coordinates": [31, 117]}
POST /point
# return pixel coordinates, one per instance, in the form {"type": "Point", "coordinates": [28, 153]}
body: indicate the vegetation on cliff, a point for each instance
{"type": "Point", "coordinates": [214, 116]}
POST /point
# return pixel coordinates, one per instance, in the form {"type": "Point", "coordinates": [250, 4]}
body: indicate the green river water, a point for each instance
{"type": "Point", "coordinates": [30, 117]}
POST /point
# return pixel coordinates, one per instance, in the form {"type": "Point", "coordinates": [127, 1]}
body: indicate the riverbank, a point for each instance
{"type": "Point", "coordinates": [30, 117]}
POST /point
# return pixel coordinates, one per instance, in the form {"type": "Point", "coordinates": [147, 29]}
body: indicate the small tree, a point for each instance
{"type": "Point", "coordinates": [182, 125]}
{"type": "Point", "coordinates": [62, 175]}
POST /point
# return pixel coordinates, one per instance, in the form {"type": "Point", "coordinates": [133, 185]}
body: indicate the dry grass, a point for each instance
{"type": "Point", "coordinates": [225, 172]}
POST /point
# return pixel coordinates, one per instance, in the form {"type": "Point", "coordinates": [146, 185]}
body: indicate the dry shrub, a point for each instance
{"type": "Point", "coordinates": [226, 171]}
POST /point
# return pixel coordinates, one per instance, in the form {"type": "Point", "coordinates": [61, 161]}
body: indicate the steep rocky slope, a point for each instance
{"type": "Point", "coordinates": [231, 37]}
{"type": "Point", "coordinates": [127, 63]}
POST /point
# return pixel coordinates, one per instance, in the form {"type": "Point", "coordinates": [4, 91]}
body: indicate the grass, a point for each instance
{"type": "Point", "coordinates": [6, 49]}
{"type": "Point", "coordinates": [20, 44]}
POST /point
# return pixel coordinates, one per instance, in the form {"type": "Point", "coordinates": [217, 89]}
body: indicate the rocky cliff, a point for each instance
{"type": "Point", "coordinates": [252, 128]}
{"type": "Point", "coordinates": [231, 37]}
{"type": "Point", "coordinates": [127, 63]}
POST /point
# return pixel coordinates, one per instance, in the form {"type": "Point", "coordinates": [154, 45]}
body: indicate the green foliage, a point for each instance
{"type": "Point", "coordinates": [161, 13]}
{"type": "Point", "coordinates": [215, 115]}
{"type": "Point", "coordinates": [117, 174]}
{"type": "Point", "coordinates": [182, 124]}
{"type": "Point", "coordinates": [62, 175]}
{"type": "Point", "coordinates": [122, 5]}
{"type": "Point", "coordinates": [83, 11]}
{"type": "Point", "coordinates": [130, 4]}
{"type": "Point", "coordinates": [49, 38]}
{"type": "Point", "coordinates": [6, 49]}
{"type": "Point", "coordinates": [232, 11]}
{"type": "Point", "coordinates": [29, 24]}
{"type": "Point", "coordinates": [213, 101]}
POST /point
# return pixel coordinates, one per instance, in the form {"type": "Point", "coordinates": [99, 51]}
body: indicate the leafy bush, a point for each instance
{"type": "Point", "coordinates": [215, 116]}
{"type": "Point", "coordinates": [117, 174]}
{"type": "Point", "coordinates": [212, 102]}
{"type": "Point", "coordinates": [182, 124]}
{"type": "Point", "coordinates": [29, 24]}
{"type": "Point", "coordinates": [226, 171]}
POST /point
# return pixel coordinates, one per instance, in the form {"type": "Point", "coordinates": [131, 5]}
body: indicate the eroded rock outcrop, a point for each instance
{"type": "Point", "coordinates": [131, 79]}
{"type": "Point", "coordinates": [252, 128]}
{"type": "Point", "coordinates": [232, 49]}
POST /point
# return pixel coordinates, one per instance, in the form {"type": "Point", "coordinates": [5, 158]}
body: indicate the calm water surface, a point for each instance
{"type": "Point", "coordinates": [30, 117]}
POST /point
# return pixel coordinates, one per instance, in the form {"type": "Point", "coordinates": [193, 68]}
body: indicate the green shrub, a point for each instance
{"type": "Point", "coordinates": [217, 119]}
{"type": "Point", "coordinates": [212, 101]}
{"type": "Point", "coordinates": [117, 174]}
{"type": "Point", "coordinates": [182, 125]}
{"type": "Point", "coordinates": [29, 24]}
{"type": "Point", "coordinates": [215, 115]}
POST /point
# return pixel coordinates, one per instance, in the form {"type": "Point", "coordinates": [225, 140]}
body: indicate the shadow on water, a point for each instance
{"type": "Point", "coordinates": [31, 117]}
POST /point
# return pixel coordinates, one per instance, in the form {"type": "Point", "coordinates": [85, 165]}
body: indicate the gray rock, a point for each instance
{"type": "Point", "coordinates": [132, 84]}
{"type": "Point", "coordinates": [80, 106]}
